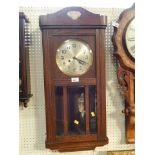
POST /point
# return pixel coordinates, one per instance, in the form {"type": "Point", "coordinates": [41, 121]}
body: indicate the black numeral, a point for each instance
{"type": "Point", "coordinates": [131, 39]}
{"type": "Point", "coordinates": [68, 47]}
{"type": "Point", "coordinates": [86, 57]}
{"type": "Point", "coordinates": [64, 51]}
{"type": "Point", "coordinates": [132, 29]}
{"type": "Point", "coordinates": [132, 48]}
{"type": "Point", "coordinates": [74, 69]}
{"type": "Point", "coordinates": [62, 57]}
{"type": "Point", "coordinates": [74, 45]}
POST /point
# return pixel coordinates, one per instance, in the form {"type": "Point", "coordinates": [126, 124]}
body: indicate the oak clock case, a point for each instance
{"type": "Point", "coordinates": [74, 79]}
{"type": "Point", "coordinates": [24, 68]}
{"type": "Point", "coordinates": [124, 44]}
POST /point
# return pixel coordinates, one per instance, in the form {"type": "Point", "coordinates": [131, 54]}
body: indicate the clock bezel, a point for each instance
{"type": "Point", "coordinates": [124, 41]}
{"type": "Point", "coordinates": [83, 42]}
{"type": "Point", "coordinates": [119, 39]}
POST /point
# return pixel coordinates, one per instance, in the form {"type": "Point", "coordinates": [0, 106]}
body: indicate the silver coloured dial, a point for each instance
{"type": "Point", "coordinates": [74, 57]}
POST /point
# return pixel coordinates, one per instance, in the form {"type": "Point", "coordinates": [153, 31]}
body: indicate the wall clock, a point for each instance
{"type": "Point", "coordinates": [124, 44]}
{"type": "Point", "coordinates": [74, 75]}
{"type": "Point", "coordinates": [24, 68]}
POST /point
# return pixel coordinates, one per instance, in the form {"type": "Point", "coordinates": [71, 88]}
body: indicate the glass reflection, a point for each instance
{"type": "Point", "coordinates": [92, 109]}
{"type": "Point", "coordinates": [76, 110]}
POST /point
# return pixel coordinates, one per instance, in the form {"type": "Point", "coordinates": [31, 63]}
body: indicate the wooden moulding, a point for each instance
{"type": "Point", "coordinates": [60, 20]}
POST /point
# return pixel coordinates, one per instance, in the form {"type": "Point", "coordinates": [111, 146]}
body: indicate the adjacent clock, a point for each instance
{"type": "Point", "coordinates": [24, 68]}
{"type": "Point", "coordinates": [74, 75]}
{"type": "Point", "coordinates": [124, 44]}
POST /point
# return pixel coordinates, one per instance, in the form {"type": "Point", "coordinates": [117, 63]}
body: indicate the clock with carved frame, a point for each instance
{"type": "Point", "coordinates": [124, 44]}
{"type": "Point", "coordinates": [74, 79]}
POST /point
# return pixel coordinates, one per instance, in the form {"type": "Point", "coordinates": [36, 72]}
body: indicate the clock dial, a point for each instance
{"type": "Point", "coordinates": [130, 37]}
{"type": "Point", "coordinates": [74, 57]}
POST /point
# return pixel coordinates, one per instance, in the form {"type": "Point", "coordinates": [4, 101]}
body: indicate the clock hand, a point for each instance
{"type": "Point", "coordinates": [80, 61]}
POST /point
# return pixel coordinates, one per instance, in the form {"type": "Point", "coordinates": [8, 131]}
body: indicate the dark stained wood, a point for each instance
{"type": "Point", "coordinates": [89, 28]}
{"type": "Point", "coordinates": [24, 68]}
{"type": "Point", "coordinates": [86, 20]}
{"type": "Point", "coordinates": [67, 82]}
{"type": "Point", "coordinates": [23, 16]}
{"type": "Point", "coordinates": [65, 110]}
{"type": "Point", "coordinates": [126, 72]}
{"type": "Point", "coordinates": [87, 108]}
{"type": "Point", "coordinates": [79, 138]}
{"type": "Point", "coordinates": [102, 85]}
{"type": "Point", "coordinates": [98, 83]}
{"type": "Point", "coordinates": [78, 146]}
{"type": "Point", "coordinates": [48, 93]}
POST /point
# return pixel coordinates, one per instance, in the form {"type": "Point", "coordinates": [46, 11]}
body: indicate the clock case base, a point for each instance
{"type": "Point", "coordinates": [77, 146]}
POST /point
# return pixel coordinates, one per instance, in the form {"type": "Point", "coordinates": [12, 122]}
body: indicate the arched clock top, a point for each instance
{"type": "Point", "coordinates": [75, 17]}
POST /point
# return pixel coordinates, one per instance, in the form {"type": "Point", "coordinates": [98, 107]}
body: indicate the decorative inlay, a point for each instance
{"type": "Point", "coordinates": [74, 14]}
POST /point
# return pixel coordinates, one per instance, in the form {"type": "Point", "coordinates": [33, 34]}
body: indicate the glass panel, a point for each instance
{"type": "Point", "coordinates": [76, 110]}
{"type": "Point", "coordinates": [92, 109]}
{"type": "Point", "coordinates": [59, 111]}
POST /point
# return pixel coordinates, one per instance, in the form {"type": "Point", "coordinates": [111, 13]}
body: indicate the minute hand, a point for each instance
{"type": "Point", "coordinates": [80, 61]}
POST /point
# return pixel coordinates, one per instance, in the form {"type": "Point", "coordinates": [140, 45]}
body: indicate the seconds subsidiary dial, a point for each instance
{"type": "Point", "coordinates": [74, 57]}
{"type": "Point", "coordinates": [130, 37]}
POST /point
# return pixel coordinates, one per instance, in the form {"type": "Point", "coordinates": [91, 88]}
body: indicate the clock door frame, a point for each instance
{"type": "Point", "coordinates": [88, 25]}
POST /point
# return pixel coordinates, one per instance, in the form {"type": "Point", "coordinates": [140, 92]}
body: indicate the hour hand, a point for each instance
{"type": "Point", "coordinates": [80, 61]}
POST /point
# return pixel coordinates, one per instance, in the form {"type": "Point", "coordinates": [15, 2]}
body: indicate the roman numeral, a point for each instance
{"type": "Point", "coordinates": [74, 45]}
{"type": "Point", "coordinates": [68, 47]}
{"type": "Point", "coordinates": [132, 29]}
{"type": "Point", "coordinates": [131, 39]}
{"type": "Point", "coordinates": [64, 51]}
{"type": "Point", "coordinates": [62, 57]}
{"type": "Point", "coordinates": [132, 48]}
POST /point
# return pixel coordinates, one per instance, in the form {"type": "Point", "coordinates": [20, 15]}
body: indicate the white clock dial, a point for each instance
{"type": "Point", "coordinates": [130, 37]}
{"type": "Point", "coordinates": [74, 57]}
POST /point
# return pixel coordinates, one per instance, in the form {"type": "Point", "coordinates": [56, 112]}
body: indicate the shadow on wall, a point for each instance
{"type": "Point", "coordinates": [114, 99]}
{"type": "Point", "coordinates": [116, 115]}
